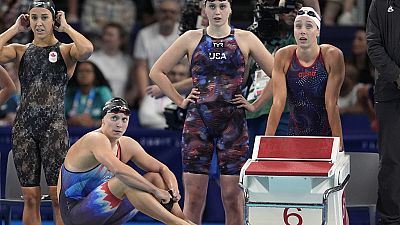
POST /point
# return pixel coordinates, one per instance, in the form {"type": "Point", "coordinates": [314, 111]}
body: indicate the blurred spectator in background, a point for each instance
{"type": "Point", "coordinates": [9, 12]}
{"type": "Point", "coordinates": [145, 12]}
{"type": "Point", "coordinates": [273, 40]}
{"type": "Point", "coordinates": [8, 111]}
{"type": "Point", "coordinates": [185, 85]}
{"type": "Point", "coordinates": [9, 108]}
{"type": "Point", "coordinates": [151, 111]}
{"type": "Point", "coordinates": [365, 96]}
{"type": "Point", "coordinates": [359, 57]}
{"type": "Point", "coordinates": [179, 72]}
{"type": "Point", "coordinates": [98, 13]}
{"type": "Point", "coordinates": [73, 11]}
{"type": "Point", "coordinates": [87, 92]}
{"type": "Point", "coordinates": [313, 4]}
{"type": "Point", "coordinates": [13, 73]}
{"type": "Point", "coordinates": [342, 11]}
{"type": "Point", "coordinates": [362, 93]}
{"type": "Point", "coordinates": [112, 61]}
{"type": "Point", "coordinates": [156, 3]}
{"type": "Point", "coordinates": [150, 43]}
{"type": "Point", "coordinates": [145, 16]}
{"type": "Point", "coordinates": [348, 99]}
{"type": "Point", "coordinates": [7, 91]}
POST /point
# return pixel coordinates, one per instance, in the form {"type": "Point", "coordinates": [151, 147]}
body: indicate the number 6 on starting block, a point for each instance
{"type": "Point", "coordinates": [294, 181]}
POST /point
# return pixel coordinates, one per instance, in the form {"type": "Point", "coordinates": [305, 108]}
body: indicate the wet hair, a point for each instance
{"type": "Point", "coordinates": [47, 4]}
{"type": "Point", "coordinates": [116, 105]}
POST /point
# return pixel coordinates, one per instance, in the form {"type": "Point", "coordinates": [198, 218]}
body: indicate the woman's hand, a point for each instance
{"type": "Point", "coordinates": [192, 97]}
{"type": "Point", "coordinates": [241, 102]}
{"type": "Point", "coordinates": [60, 24]}
{"type": "Point", "coordinates": [154, 91]}
{"type": "Point", "coordinates": [162, 196]}
{"type": "Point", "coordinates": [176, 196]}
{"type": "Point", "coordinates": [22, 23]}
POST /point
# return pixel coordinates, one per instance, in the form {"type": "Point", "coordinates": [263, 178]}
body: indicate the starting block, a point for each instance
{"type": "Point", "coordinates": [295, 180]}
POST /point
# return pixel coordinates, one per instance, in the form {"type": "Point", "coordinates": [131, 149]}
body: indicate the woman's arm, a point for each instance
{"type": "Point", "coordinates": [8, 53]}
{"type": "Point", "coordinates": [265, 60]}
{"type": "Point", "coordinates": [279, 93]}
{"type": "Point", "coordinates": [100, 147]}
{"type": "Point", "coordinates": [82, 48]}
{"type": "Point", "coordinates": [259, 53]}
{"type": "Point", "coordinates": [168, 60]}
{"type": "Point", "coordinates": [335, 66]}
{"type": "Point", "coordinates": [181, 86]}
{"type": "Point", "coordinates": [148, 163]}
{"type": "Point", "coordinates": [266, 95]}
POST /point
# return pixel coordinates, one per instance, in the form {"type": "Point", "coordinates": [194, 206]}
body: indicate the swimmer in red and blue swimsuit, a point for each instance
{"type": "Point", "coordinates": [217, 70]}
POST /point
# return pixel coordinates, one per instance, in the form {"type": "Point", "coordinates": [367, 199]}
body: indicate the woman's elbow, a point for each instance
{"type": "Point", "coordinates": [86, 52]}
{"type": "Point", "coordinates": [89, 47]}
{"type": "Point", "coordinates": [151, 74]}
{"type": "Point", "coordinates": [154, 72]}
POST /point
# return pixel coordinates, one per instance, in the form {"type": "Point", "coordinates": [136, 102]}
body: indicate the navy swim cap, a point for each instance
{"type": "Point", "coordinates": [116, 105]}
{"type": "Point", "coordinates": [47, 4]}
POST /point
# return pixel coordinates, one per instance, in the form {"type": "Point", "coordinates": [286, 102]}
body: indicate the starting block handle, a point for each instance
{"type": "Point", "coordinates": [326, 195]}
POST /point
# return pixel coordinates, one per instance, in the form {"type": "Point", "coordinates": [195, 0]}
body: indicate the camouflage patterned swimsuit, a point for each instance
{"type": "Point", "coordinates": [217, 69]}
{"type": "Point", "coordinates": [40, 134]}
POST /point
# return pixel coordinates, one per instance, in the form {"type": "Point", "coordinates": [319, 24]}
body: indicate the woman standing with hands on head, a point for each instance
{"type": "Point", "coordinates": [218, 55]}
{"type": "Point", "coordinates": [39, 134]}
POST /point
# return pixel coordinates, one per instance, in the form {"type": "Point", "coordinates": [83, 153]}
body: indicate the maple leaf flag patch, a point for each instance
{"type": "Point", "coordinates": [53, 57]}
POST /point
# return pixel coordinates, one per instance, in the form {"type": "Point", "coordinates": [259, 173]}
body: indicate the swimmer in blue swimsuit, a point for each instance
{"type": "Point", "coordinates": [96, 186]}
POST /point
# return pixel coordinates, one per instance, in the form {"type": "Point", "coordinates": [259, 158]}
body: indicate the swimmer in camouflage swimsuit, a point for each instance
{"type": "Point", "coordinates": [40, 136]}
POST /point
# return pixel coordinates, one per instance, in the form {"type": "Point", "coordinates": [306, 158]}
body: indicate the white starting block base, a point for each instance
{"type": "Point", "coordinates": [266, 216]}
{"type": "Point", "coordinates": [295, 181]}
{"type": "Point", "coordinates": [293, 216]}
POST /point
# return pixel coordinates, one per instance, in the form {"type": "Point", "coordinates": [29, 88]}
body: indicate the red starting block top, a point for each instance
{"type": "Point", "coordinates": [295, 147]}
{"type": "Point", "coordinates": [289, 168]}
